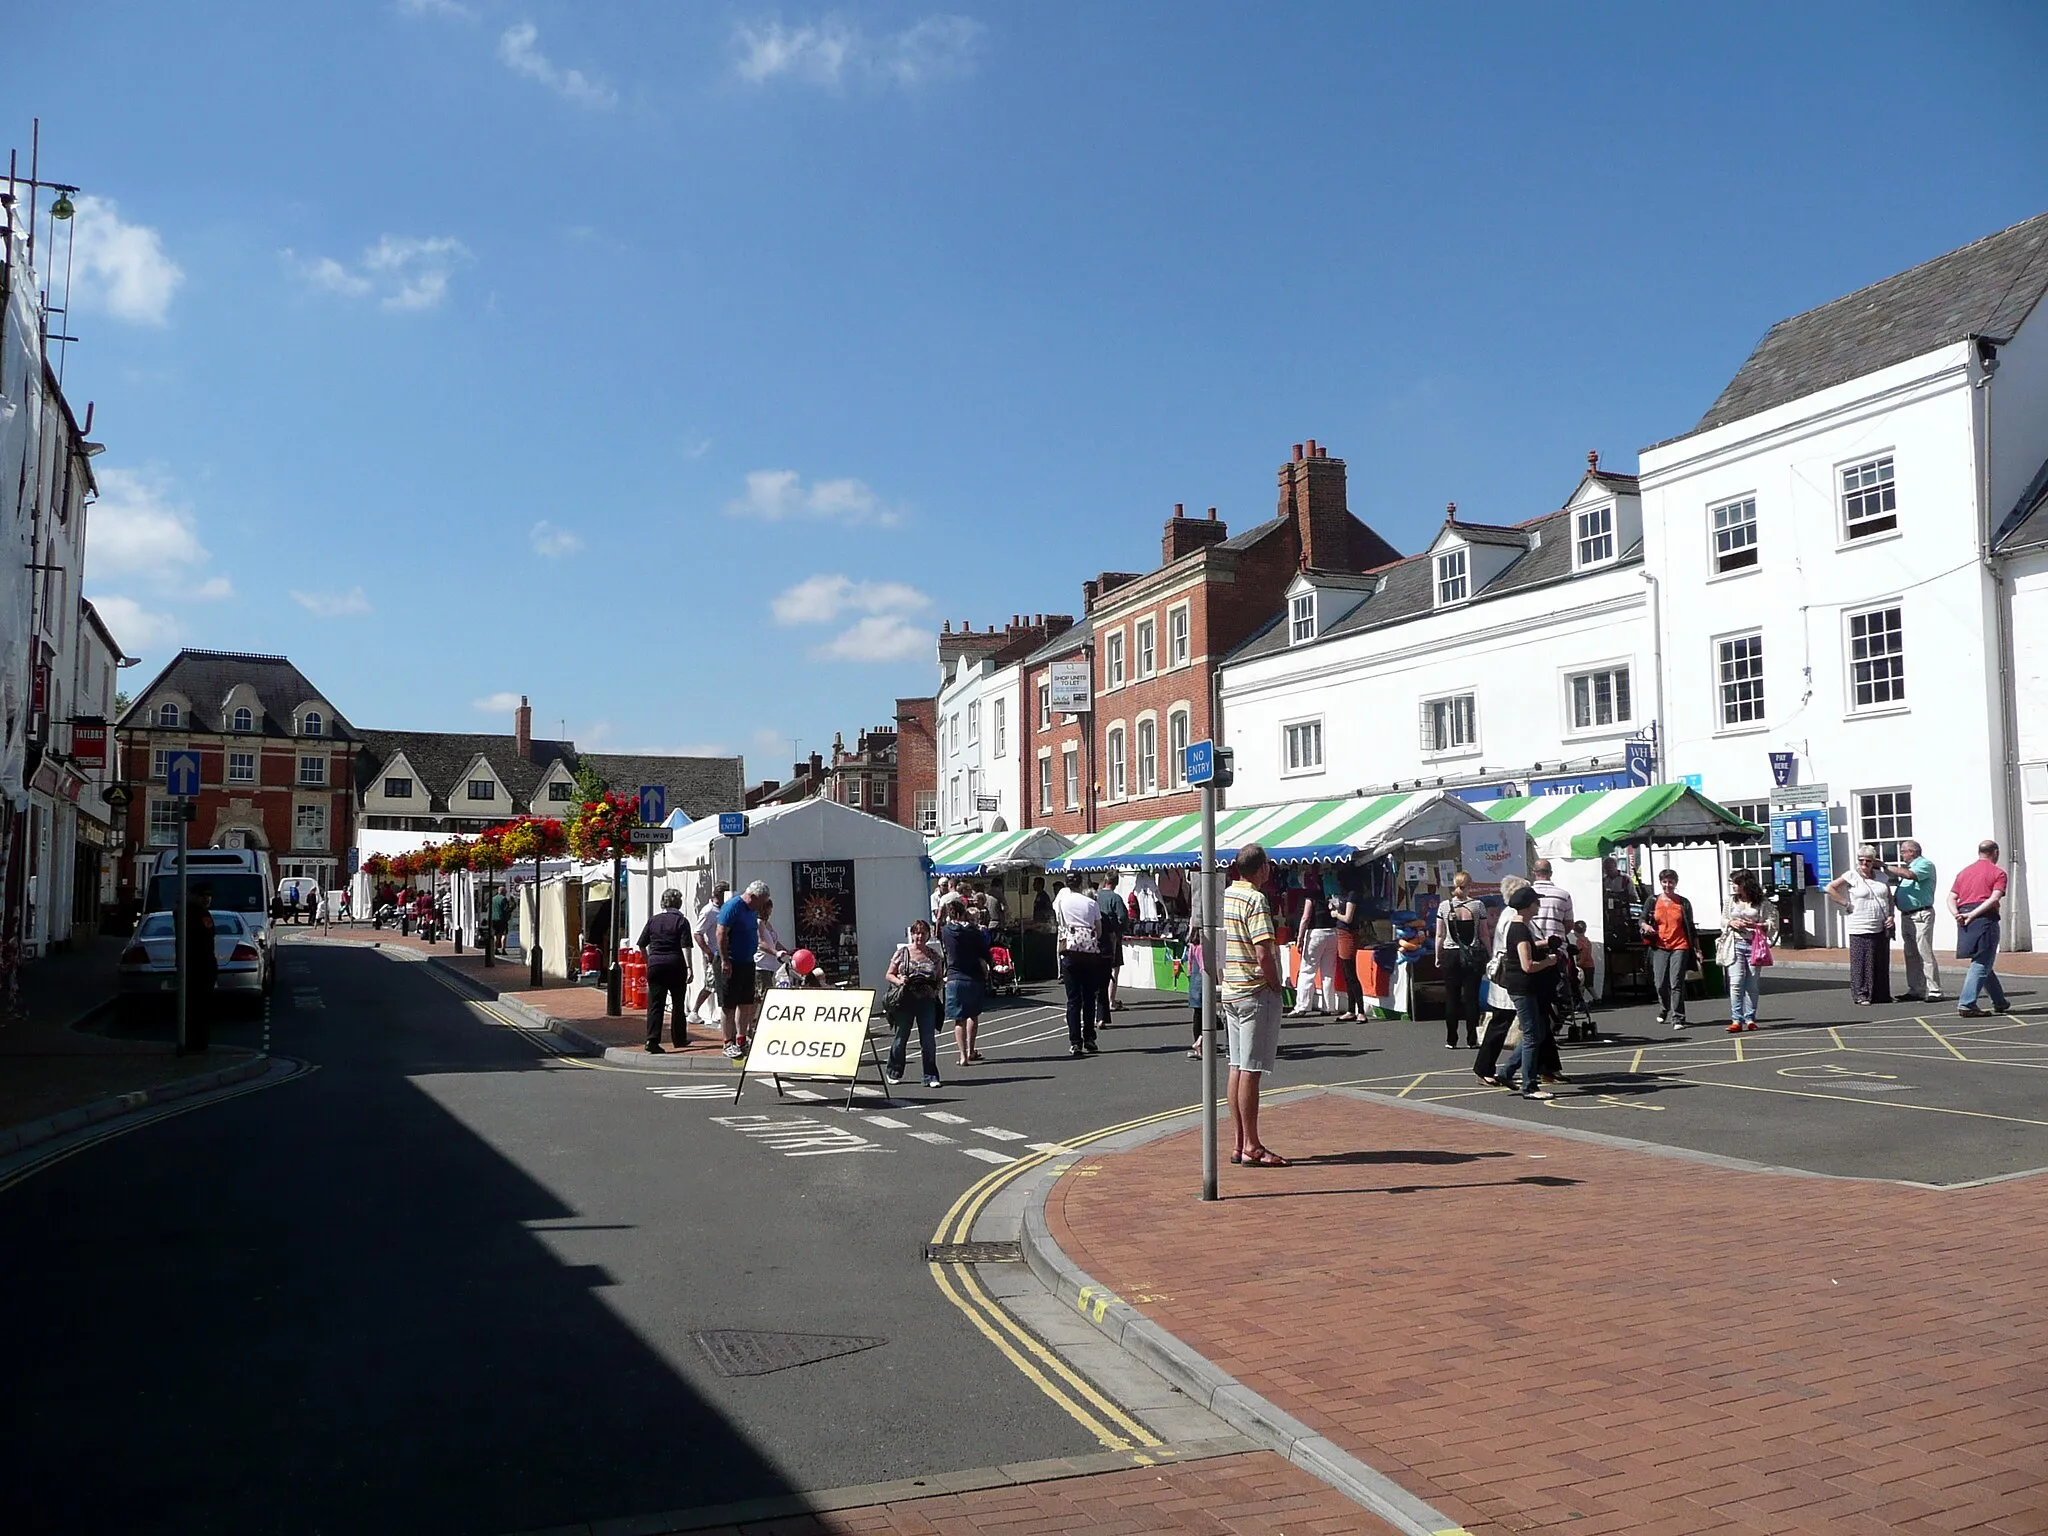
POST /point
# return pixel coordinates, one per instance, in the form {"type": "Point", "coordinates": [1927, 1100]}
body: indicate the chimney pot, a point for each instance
{"type": "Point", "coordinates": [946, 627]}
{"type": "Point", "coordinates": [1450, 511]}
{"type": "Point", "coordinates": [1312, 449]}
{"type": "Point", "coordinates": [1593, 459]}
{"type": "Point", "coordinates": [1297, 453]}
{"type": "Point", "coordinates": [1212, 514]}
{"type": "Point", "coordinates": [1178, 510]}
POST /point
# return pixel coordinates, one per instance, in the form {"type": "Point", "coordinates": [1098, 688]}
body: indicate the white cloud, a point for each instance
{"type": "Point", "coordinates": [137, 629]}
{"type": "Point", "coordinates": [831, 52]}
{"type": "Point", "coordinates": [120, 268]}
{"type": "Point", "coordinates": [405, 272]}
{"type": "Point", "coordinates": [137, 529]}
{"type": "Point", "coordinates": [823, 598]}
{"type": "Point", "coordinates": [884, 637]}
{"type": "Point", "coordinates": [777, 494]}
{"type": "Point", "coordinates": [213, 589]}
{"type": "Point", "coordinates": [497, 703]}
{"type": "Point", "coordinates": [553, 542]}
{"type": "Point", "coordinates": [333, 605]}
{"type": "Point", "coordinates": [695, 447]}
{"type": "Point", "coordinates": [518, 52]}
{"type": "Point", "coordinates": [447, 10]}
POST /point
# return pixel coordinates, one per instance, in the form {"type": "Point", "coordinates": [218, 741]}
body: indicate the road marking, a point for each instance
{"type": "Point", "coordinates": [798, 1136]}
{"type": "Point", "coordinates": [804, 1093]}
{"type": "Point", "coordinates": [887, 1124]}
{"type": "Point", "coordinates": [933, 1137]}
{"type": "Point", "coordinates": [1959, 1056]}
{"type": "Point", "coordinates": [692, 1090]}
{"type": "Point", "coordinates": [997, 1133]}
{"type": "Point", "coordinates": [1050, 1148]}
{"type": "Point", "coordinates": [944, 1117]}
{"type": "Point", "coordinates": [989, 1155]}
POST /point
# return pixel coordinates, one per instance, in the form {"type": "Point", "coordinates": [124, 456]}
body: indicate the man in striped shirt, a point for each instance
{"type": "Point", "coordinates": [1249, 990]}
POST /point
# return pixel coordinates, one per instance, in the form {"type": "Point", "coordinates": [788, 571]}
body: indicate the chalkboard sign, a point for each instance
{"type": "Point", "coordinates": [826, 918]}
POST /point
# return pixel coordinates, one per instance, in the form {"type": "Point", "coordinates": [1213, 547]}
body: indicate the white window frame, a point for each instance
{"type": "Point", "coordinates": [1116, 761]}
{"type": "Point", "coordinates": [1301, 747]}
{"type": "Point", "coordinates": [974, 723]}
{"type": "Point", "coordinates": [238, 761]}
{"type": "Point", "coordinates": [1754, 855]}
{"type": "Point", "coordinates": [303, 816]}
{"type": "Point", "coordinates": [1145, 754]}
{"type": "Point", "coordinates": [162, 830]}
{"type": "Point", "coordinates": [1868, 819]}
{"type": "Point", "coordinates": [1113, 661]}
{"type": "Point", "coordinates": [1045, 705]}
{"type": "Point", "coordinates": [312, 772]}
{"type": "Point", "coordinates": [489, 785]}
{"type": "Point", "coordinates": [1177, 755]}
{"type": "Point", "coordinates": [313, 723]}
{"type": "Point", "coordinates": [1620, 724]}
{"type": "Point", "coordinates": [927, 811]}
{"type": "Point", "coordinates": [1602, 538]}
{"type": "Point", "coordinates": [1145, 647]}
{"type": "Point", "coordinates": [953, 799]}
{"type": "Point", "coordinates": [1070, 773]}
{"type": "Point", "coordinates": [1427, 717]}
{"type": "Point", "coordinates": [1301, 618]}
{"type": "Point", "coordinates": [1180, 648]}
{"type": "Point", "coordinates": [1045, 782]}
{"type": "Point", "coordinates": [244, 718]}
{"type": "Point", "coordinates": [561, 792]}
{"type": "Point", "coordinates": [1882, 483]}
{"type": "Point", "coordinates": [1443, 579]}
{"type": "Point", "coordinates": [169, 716]}
{"type": "Point", "coordinates": [1715, 570]}
{"type": "Point", "coordinates": [159, 763]}
{"type": "Point", "coordinates": [1899, 702]}
{"type": "Point", "coordinates": [1723, 726]}
{"type": "Point", "coordinates": [852, 789]}
{"type": "Point", "coordinates": [999, 727]}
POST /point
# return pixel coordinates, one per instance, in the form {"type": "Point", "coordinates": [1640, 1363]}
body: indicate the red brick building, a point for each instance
{"type": "Point", "coordinates": [275, 764]}
{"type": "Point", "coordinates": [1152, 643]}
{"type": "Point", "coordinates": [917, 763]}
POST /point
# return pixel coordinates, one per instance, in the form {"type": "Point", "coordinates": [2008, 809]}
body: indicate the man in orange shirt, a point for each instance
{"type": "Point", "coordinates": [1674, 945]}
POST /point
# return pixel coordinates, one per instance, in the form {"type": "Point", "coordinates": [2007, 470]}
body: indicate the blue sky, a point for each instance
{"type": "Point", "coordinates": [683, 366]}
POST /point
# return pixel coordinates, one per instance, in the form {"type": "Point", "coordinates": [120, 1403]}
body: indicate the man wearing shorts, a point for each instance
{"type": "Point", "coordinates": [1250, 994]}
{"type": "Point", "coordinates": [739, 936]}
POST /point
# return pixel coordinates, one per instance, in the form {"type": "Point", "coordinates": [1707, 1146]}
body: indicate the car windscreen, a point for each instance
{"type": "Point", "coordinates": [162, 925]}
{"type": "Point", "coordinates": [231, 892]}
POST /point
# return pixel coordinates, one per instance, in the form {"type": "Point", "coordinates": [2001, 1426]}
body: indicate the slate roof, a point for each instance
{"type": "Point", "coordinates": [1985, 289]}
{"type": "Point", "coordinates": [207, 677]}
{"type": "Point", "coordinates": [1368, 550]}
{"type": "Point", "coordinates": [1065, 643]}
{"type": "Point", "coordinates": [1409, 587]}
{"type": "Point", "coordinates": [701, 786]}
{"type": "Point", "coordinates": [1486, 533]}
{"type": "Point", "coordinates": [440, 760]}
{"type": "Point", "coordinates": [2027, 522]}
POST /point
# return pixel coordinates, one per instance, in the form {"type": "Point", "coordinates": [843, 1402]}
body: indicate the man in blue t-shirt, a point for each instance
{"type": "Point", "coordinates": [739, 936]}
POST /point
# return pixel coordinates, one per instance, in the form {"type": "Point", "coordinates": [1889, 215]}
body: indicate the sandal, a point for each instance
{"type": "Point", "coordinates": [1261, 1158]}
{"type": "Point", "coordinates": [1237, 1157]}
{"type": "Point", "coordinates": [1195, 1054]}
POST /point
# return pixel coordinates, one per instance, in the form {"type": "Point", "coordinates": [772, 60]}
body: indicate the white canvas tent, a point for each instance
{"type": "Point", "coordinates": [888, 861]}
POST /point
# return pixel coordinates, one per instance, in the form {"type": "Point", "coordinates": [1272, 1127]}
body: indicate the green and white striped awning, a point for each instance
{"type": "Point", "coordinates": [975, 853]}
{"type": "Point", "coordinates": [1595, 823]}
{"type": "Point", "coordinates": [1300, 832]}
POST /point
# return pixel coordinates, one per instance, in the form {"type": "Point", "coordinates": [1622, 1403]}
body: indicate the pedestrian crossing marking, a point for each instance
{"type": "Point", "coordinates": [933, 1137]}
{"type": "Point", "coordinates": [944, 1117]}
{"type": "Point", "coordinates": [803, 1093]}
{"type": "Point", "coordinates": [997, 1133]}
{"type": "Point", "coordinates": [887, 1124]}
{"type": "Point", "coordinates": [988, 1154]}
{"type": "Point", "coordinates": [1053, 1147]}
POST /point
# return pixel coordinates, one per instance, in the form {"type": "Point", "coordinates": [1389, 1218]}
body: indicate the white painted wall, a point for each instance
{"type": "Point", "coordinates": [2028, 576]}
{"type": "Point", "coordinates": [976, 764]}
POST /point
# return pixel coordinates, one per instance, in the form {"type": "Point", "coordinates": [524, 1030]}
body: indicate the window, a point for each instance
{"type": "Point", "coordinates": [167, 716]}
{"type": "Point", "coordinates": [163, 823]}
{"type": "Point", "coordinates": [1117, 764]}
{"type": "Point", "coordinates": [1740, 672]}
{"type": "Point", "coordinates": [1071, 765]}
{"type": "Point", "coordinates": [1450, 577]}
{"type": "Point", "coordinates": [954, 796]}
{"type": "Point", "coordinates": [927, 811]}
{"type": "Point", "coordinates": [953, 731]}
{"type": "Point", "coordinates": [1177, 749]}
{"type": "Point", "coordinates": [1734, 536]}
{"type": "Point", "coordinates": [974, 723]}
{"type": "Point", "coordinates": [878, 794]}
{"type": "Point", "coordinates": [1877, 659]}
{"type": "Point", "coordinates": [1450, 725]}
{"type": "Point", "coordinates": [245, 720]}
{"type": "Point", "coordinates": [1148, 756]}
{"type": "Point", "coordinates": [1600, 699]}
{"type": "Point", "coordinates": [1177, 636]}
{"type": "Point", "coordinates": [1303, 746]}
{"type": "Point", "coordinates": [1596, 536]}
{"type": "Point", "coordinates": [159, 757]}
{"type": "Point", "coordinates": [483, 789]}
{"type": "Point", "coordinates": [312, 725]}
{"type": "Point", "coordinates": [1883, 816]}
{"type": "Point", "coordinates": [1113, 660]}
{"type": "Point", "coordinates": [560, 792]}
{"type": "Point", "coordinates": [1754, 855]}
{"type": "Point", "coordinates": [312, 770]}
{"type": "Point", "coordinates": [241, 767]}
{"type": "Point", "coordinates": [853, 790]}
{"type": "Point", "coordinates": [1045, 783]}
{"type": "Point", "coordinates": [1148, 647]}
{"type": "Point", "coordinates": [309, 826]}
{"type": "Point", "coordinates": [999, 724]}
{"type": "Point", "coordinates": [1301, 618]}
{"type": "Point", "coordinates": [1045, 706]}
{"type": "Point", "coordinates": [398, 789]}
{"type": "Point", "coordinates": [1870, 501]}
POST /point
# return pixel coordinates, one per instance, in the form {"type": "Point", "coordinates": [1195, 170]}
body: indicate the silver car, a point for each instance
{"type": "Point", "coordinates": [149, 965]}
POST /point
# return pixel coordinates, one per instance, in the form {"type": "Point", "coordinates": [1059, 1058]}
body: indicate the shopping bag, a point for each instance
{"type": "Point", "coordinates": [1759, 950]}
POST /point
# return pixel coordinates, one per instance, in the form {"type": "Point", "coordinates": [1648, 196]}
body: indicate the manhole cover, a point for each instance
{"type": "Point", "coordinates": [974, 1253]}
{"type": "Point", "coordinates": [742, 1352]}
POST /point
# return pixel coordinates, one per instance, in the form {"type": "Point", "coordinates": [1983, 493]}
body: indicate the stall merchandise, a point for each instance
{"type": "Point", "coordinates": [1006, 864]}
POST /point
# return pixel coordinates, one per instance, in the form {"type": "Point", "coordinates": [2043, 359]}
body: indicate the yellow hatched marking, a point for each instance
{"type": "Point", "coordinates": [1946, 1042]}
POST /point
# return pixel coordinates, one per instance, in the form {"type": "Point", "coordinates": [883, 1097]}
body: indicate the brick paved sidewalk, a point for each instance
{"type": "Point", "coordinates": [1534, 1333]}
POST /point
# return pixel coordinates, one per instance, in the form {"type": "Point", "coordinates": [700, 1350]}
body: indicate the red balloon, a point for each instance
{"type": "Point", "coordinates": [804, 961]}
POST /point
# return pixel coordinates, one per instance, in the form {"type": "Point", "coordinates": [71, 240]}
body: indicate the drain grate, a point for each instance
{"type": "Point", "coordinates": [974, 1253]}
{"type": "Point", "coordinates": [743, 1352]}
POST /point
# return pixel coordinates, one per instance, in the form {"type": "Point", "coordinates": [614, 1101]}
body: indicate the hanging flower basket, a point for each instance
{"type": "Point", "coordinates": [603, 829]}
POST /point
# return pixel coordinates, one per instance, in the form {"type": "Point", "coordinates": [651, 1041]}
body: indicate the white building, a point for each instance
{"type": "Point", "coordinates": [2022, 546]}
{"type": "Point", "coordinates": [1821, 546]}
{"type": "Point", "coordinates": [978, 726]}
{"type": "Point", "coordinates": [1498, 659]}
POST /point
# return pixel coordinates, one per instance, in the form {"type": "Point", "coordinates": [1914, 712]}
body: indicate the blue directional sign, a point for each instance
{"type": "Point", "coordinates": [181, 774]}
{"type": "Point", "coordinates": [1201, 761]}
{"type": "Point", "coordinates": [653, 805]}
{"type": "Point", "coordinates": [732, 823]}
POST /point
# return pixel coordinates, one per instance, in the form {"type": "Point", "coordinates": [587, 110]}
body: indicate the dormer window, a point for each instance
{"type": "Point", "coordinates": [1450, 577]}
{"type": "Point", "coordinates": [245, 719]}
{"type": "Point", "coordinates": [167, 716]}
{"type": "Point", "coordinates": [1301, 618]}
{"type": "Point", "coordinates": [312, 725]}
{"type": "Point", "coordinates": [1595, 530]}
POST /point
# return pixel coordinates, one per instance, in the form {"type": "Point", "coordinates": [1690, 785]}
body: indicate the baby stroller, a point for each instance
{"type": "Point", "coordinates": [1002, 972]}
{"type": "Point", "coordinates": [1571, 1016]}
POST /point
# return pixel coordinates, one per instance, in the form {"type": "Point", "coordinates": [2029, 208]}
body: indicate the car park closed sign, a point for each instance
{"type": "Point", "coordinates": [810, 1032]}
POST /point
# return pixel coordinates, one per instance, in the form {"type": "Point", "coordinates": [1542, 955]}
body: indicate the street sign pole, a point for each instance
{"type": "Point", "coordinates": [612, 979]}
{"type": "Point", "coordinates": [1212, 896]}
{"type": "Point", "coordinates": [533, 975]}
{"type": "Point", "coordinates": [183, 929]}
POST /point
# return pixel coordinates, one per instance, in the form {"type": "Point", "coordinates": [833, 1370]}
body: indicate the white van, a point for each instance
{"type": "Point", "coordinates": [241, 883]}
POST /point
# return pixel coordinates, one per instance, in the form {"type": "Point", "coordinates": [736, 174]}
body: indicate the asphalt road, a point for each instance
{"type": "Point", "coordinates": [449, 1282]}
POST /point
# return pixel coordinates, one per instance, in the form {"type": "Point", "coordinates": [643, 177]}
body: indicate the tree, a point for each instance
{"type": "Point", "coordinates": [590, 785]}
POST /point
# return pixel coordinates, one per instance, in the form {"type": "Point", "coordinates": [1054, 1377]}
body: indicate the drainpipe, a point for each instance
{"type": "Point", "coordinates": [1663, 736]}
{"type": "Point", "coordinates": [2019, 932]}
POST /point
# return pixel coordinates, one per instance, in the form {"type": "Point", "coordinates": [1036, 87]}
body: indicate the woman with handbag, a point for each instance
{"type": "Point", "coordinates": [1744, 949]}
{"type": "Point", "coordinates": [1318, 948]}
{"type": "Point", "coordinates": [910, 996]}
{"type": "Point", "coordinates": [1459, 920]}
{"type": "Point", "coordinates": [1349, 914]}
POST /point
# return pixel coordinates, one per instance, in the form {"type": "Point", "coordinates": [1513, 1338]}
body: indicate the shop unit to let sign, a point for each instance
{"type": "Point", "coordinates": [1069, 686]}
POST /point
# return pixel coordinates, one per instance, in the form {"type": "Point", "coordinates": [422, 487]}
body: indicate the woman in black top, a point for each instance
{"type": "Point", "coordinates": [1347, 916]}
{"type": "Point", "coordinates": [665, 942]}
{"type": "Point", "coordinates": [1526, 975]}
{"type": "Point", "coordinates": [1318, 948]}
{"type": "Point", "coordinates": [1458, 952]}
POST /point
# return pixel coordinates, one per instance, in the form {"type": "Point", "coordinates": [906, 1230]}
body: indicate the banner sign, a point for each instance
{"type": "Point", "coordinates": [89, 743]}
{"type": "Point", "coordinates": [826, 915]}
{"type": "Point", "coordinates": [1071, 687]}
{"type": "Point", "coordinates": [1493, 850]}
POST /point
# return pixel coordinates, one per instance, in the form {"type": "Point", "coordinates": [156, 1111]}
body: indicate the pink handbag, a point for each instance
{"type": "Point", "coordinates": [1759, 949]}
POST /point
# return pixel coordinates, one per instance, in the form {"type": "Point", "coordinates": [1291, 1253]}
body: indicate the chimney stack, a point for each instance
{"type": "Point", "coordinates": [522, 729]}
{"type": "Point", "coordinates": [1593, 461]}
{"type": "Point", "coordinates": [1184, 535]}
{"type": "Point", "coordinates": [1312, 497]}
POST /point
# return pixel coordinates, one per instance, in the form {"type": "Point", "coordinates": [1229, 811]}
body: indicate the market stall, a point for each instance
{"type": "Point", "coordinates": [1010, 866]}
{"type": "Point", "coordinates": [1580, 833]}
{"type": "Point", "coordinates": [1396, 849]}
